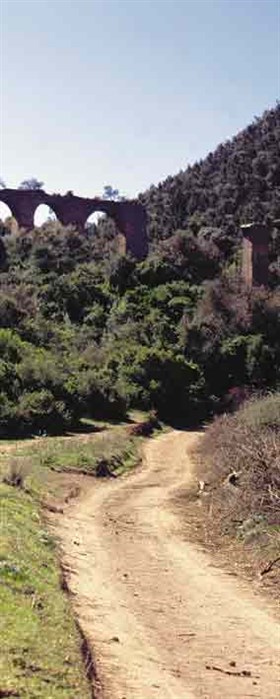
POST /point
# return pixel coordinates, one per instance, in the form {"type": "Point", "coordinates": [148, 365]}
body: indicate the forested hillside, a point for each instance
{"type": "Point", "coordinates": [85, 331]}
{"type": "Point", "coordinates": [237, 183]}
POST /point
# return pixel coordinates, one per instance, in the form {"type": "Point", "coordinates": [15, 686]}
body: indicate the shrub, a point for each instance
{"type": "Point", "coordinates": [7, 415]}
{"type": "Point", "coordinates": [10, 313]}
{"type": "Point", "coordinates": [11, 345]}
{"type": "Point", "coordinates": [247, 445]}
{"type": "Point", "coordinates": [262, 413]}
{"type": "Point", "coordinates": [99, 394]}
{"type": "Point", "coordinates": [39, 411]}
{"type": "Point", "coordinates": [17, 471]}
{"type": "Point", "coordinates": [162, 380]}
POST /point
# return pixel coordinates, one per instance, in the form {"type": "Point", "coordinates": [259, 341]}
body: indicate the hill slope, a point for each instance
{"type": "Point", "coordinates": [240, 180]}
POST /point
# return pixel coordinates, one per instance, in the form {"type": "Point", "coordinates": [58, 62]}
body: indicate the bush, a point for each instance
{"type": "Point", "coordinates": [10, 313]}
{"type": "Point", "coordinates": [39, 412]}
{"type": "Point", "coordinates": [17, 471]}
{"type": "Point", "coordinates": [7, 415]}
{"type": "Point", "coordinates": [262, 413]}
{"type": "Point", "coordinates": [246, 445]}
{"type": "Point", "coordinates": [162, 380]}
{"type": "Point", "coordinates": [99, 395]}
{"type": "Point", "coordinates": [11, 346]}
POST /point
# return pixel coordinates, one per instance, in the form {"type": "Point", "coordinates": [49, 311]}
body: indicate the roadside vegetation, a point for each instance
{"type": "Point", "coordinates": [40, 644]}
{"type": "Point", "coordinates": [238, 466]}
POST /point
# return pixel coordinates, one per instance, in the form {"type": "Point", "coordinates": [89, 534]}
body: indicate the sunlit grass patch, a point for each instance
{"type": "Point", "coordinates": [39, 654]}
{"type": "Point", "coordinates": [114, 449]}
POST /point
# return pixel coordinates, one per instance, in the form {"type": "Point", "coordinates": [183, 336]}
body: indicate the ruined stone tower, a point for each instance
{"type": "Point", "coordinates": [255, 254]}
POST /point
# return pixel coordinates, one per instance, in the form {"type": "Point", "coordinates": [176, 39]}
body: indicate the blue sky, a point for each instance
{"type": "Point", "coordinates": [126, 92]}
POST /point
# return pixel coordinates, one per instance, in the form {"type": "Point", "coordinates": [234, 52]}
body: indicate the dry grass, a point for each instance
{"type": "Point", "coordinates": [17, 471]}
{"type": "Point", "coordinates": [241, 454]}
{"type": "Point", "coordinates": [238, 465]}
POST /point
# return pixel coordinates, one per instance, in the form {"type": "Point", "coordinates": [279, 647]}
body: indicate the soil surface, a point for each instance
{"type": "Point", "coordinates": [162, 621]}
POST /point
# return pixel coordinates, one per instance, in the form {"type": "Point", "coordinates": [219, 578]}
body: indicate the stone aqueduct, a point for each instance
{"type": "Point", "coordinates": [130, 219]}
{"type": "Point", "coordinates": [129, 216]}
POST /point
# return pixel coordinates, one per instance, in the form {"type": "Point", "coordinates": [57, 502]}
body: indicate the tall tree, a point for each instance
{"type": "Point", "coordinates": [110, 193]}
{"type": "Point", "coordinates": [32, 183]}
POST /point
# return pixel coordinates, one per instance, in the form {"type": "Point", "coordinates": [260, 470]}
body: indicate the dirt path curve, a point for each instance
{"type": "Point", "coordinates": [154, 608]}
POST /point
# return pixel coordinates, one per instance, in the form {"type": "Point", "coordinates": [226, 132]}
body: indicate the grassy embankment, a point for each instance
{"type": "Point", "coordinates": [238, 465]}
{"type": "Point", "coordinates": [40, 645]}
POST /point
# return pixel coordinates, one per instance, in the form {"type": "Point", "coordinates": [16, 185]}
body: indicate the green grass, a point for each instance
{"type": "Point", "coordinates": [113, 447]}
{"type": "Point", "coordinates": [40, 645]}
{"type": "Point", "coordinates": [82, 453]}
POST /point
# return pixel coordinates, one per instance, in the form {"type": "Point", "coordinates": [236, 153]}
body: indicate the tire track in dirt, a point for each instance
{"type": "Point", "coordinates": [162, 621]}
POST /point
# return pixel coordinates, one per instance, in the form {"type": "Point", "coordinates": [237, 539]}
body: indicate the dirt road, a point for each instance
{"type": "Point", "coordinates": [163, 622]}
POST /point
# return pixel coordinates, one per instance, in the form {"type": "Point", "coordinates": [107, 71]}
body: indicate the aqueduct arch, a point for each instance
{"type": "Point", "coordinates": [129, 216]}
